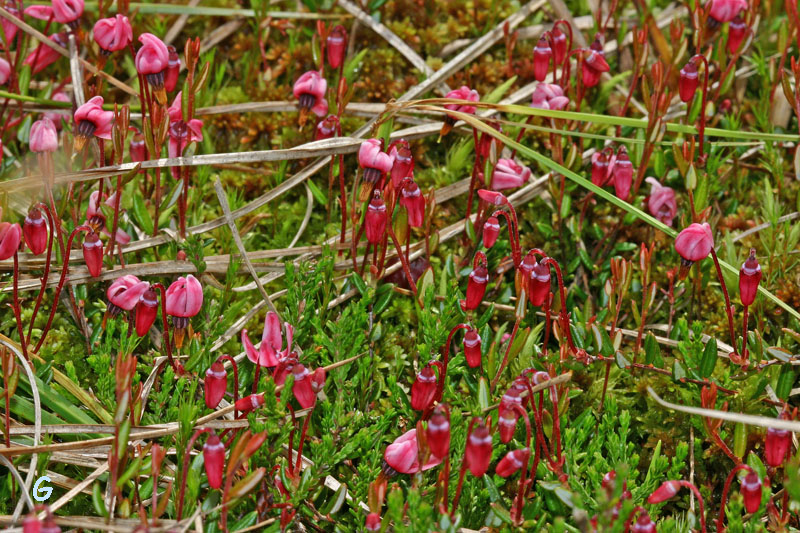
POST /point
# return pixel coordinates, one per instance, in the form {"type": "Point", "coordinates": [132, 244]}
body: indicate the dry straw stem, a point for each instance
{"type": "Point", "coordinates": [750, 420]}
{"type": "Point", "coordinates": [30, 30]}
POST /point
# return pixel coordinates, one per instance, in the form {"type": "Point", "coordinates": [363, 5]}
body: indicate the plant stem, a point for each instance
{"type": "Point", "coordinates": [446, 360]}
{"type": "Point", "coordinates": [562, 293]}
{"type": "Point", "coordinates": [700, 504]}
{"type": "Point", "coordinates": [187, 454]}
{"type": "Point", "coordinates": [521, 490]}
{"type": "Point", "coordinates": [463, 470]}
{"type": "Point", "coordinates": [721, 517]}
{"type": "Point", "coordinates": [165, 335]}
{"type": "Point", "coordinates": [728, 307]}
{"type": "Point", "coordinates": [45, 272]}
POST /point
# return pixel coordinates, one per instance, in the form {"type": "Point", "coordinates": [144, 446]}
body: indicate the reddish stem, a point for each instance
{"type": "Point", "coordinates": [186, 457]}
{"type": "Point", "coordinates": [165, 335]}
{"type": "Point", "coordinates": [521, 490]}
{"type": "Point", "coordinates": [721, 518]}
{"type": "Point", "coordinates": [45, 272]}
{"type": "Point", "coordinates": [728, 307]}
{"type": "Point", "coordinates": [227, 357]}
{"type": "Point", "coordinates": [446, 360]}
{"type": "Point", "coordinates": [702, 127]}
{"type": "Point", "coordinates": [562, 293]}
{"type": "Point", "coordinates": [463, 470]}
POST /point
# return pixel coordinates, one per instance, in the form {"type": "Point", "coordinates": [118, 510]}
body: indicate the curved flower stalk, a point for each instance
{"type": "Point", "coordinates": [751, 493]}
{"type": "Point", "coordinates": [669, 489]}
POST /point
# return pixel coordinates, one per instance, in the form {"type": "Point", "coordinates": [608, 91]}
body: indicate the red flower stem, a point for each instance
{"type": "Point", "coordinates": [403, 260]}
{"type": "Point", "coordinates": [547, 303]}
{"type": "Point", "coordinates": [637, 509]}
{"type": "Point", "coordinates": [702, 127]}
{"type": "Point", "coordinates": [508, 351]}
{"type": "Point", "coordinates": [60, 285]}
{"type": "Point", "coordinates": [475, 167]}
{"type": "Point", "coordinates": [185, 469]}
{"type": "Point", "coordinates": [6, 366]}
{"type": "Point", "coordinates": [463, 470]}
{"type": "Point", "coordinates": [563, 295]}
{"type": "Point", "coordinates": [745, 354]}
{"type": "Point", "coordinates": [537, 418]}
{"type": "Point", "coordinates": [17, 313]}
{"type": "Point", "coordinates": [721, 517]}
{"type": "Point", "coordinates": [516, 254]}
{"type": "Point", "coordinates": [165, 335]}
{"type": "Point", "coordinates": [303, 434]}
{"type": "Point", "coordinates": [115, 223]}
{"type": "Point", "coordinates": [728, 307]}
{"type": "Point", "coordinates": [516, 229]}
{"type": "Point", "coordinates": [45, 272]}
{"type": "Point", "coordinates": [256, 376]}
{"type": "Point", "coordinates": [446, 360]}
{"type": "Point", "coordinates": [700, 504]}
{"type": "Point", "coordinates": [556, 422]}
{"type": "Point", "coordinates": [227, 357]}
{"type": "Point", "coordinates": [521, 490]}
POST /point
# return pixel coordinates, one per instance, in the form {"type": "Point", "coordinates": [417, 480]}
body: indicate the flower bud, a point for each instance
{"type": "Point", "coordinates": [146, 310]}
{"type": "Point", "coordinates": [93, 253]}
{"type": "Point", "coordinates": [512, 397]}
{"type": "Point", "coordinates": [34, 229]}
{"type": "Point", "coordinates": [173, 69]}
{"type": "Point", "coordinates": [10, 235]}
{"type": "Point", "coordinates": [478, 452]}
{"type": "Point", "coordinates": [476, 287]}
{"type": "Point", "coordinates": [737, 31]}
{"type": "Point", "coordinates": [318, 380]}
{"type": "Point", "coordinates": [688, 81]}
{"type": "Point", "coordinates": [215, 384]}
{"type": "Point", "coordinates": [403, 165]}
{"type": "Point", "coordinates": [337, 43]}
{"type": "Point", "coordinates": [249, 403]}
{"type": "Point", "coordinates": [302, 386]}
{"type": "Point", "coordinates": [373, 522]}
{"type": "Point", "coordinates": [749, 278]}
{"type": "Point", "coordinates": [667, 490]}
{"type": "Point", "coordinates": [411, 198]}
{"type": "Point", "coordinates": [541, 59]}
{"type": "Point", "coordinates": [438, 433]}
{"type": "Point", "coordinates": [602, 166]}
{"type": "Point", "coordinates": [375, 219]}
{"type": "Point", "coordinates": [214, 460]}
{"type": "Point", "coordinates": [751, 492]}
{"type": "Point", "coordinates": [594, 65]}
{"type": "Point", "coordinates": [507, 425]}
{"type": "Point", "coordinates": [423, 390]}
{"type": "Point", "coordinates": [693, 244]}
{"type": "Point", "coordinates": [623, 174]}
{"type": "Point", "coordinates": [326, 128]}
{"type": "Point", "coordinates": [472, 348]}
{"type": "Point", "coordinates": [644, 524]}
{"type": "Point", "coordinates": [512, 462]}
{"type": "Point", "coordinates": [539, 284]}
{"type": "Point", "coordinates": [559, 45]}
{"type": "Point", "coordinates": [777, 444]}
{"type": "Point", "coordinates": [491, 230]}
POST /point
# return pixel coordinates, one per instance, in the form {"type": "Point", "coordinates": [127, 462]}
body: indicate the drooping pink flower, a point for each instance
{"type": "Point", "coordinates": [375, 219]}
{"type": "Point", "coordinates": [43, 56]}
{"type": "Point", "coordinates": [270, 351]}
{"type": "Point", "coordinates": [93, 253]}
{"type": "Point", "coordinates": [726, 10]}
{"type": "Point", "coordinates": [68, 11]}
{"type": "Point", "coordinates": [97, 220]}
{"type": "Point", "coordinates": [559, 45]}
{"type": "Point", "coordinates": [644, 524]}
{"type": "Point", "coordinates": [549, 96]}
{"type": "Point", "coordinates": [462, 93]}
{"type": "Point", "coordinates": [411, 198]}
{"type": "Point", "coordinates": [749, 278]}
{"type": "Point", "coordinates": [661, 202]}
{"type": "Point", "coordinates": [302, 388]}
{"type": "Point", "coordinates": [602, 166]}
{"type": "Point", "coordinates": [251, 402]}
{"type": "Point", "coordinates": [623, 174]}
{"type": "Point", "coordinates": [10, 235]}
{"type": "Point", "coordinates": [310, 89]}
{"type": "Point", "coordinates": [375, 162]}
{"type": "Point", "coordinates": [90, 119]}
{"type": "Point", "coordinates": [512, 462]}
{"type": "Point", "coordinates": [476, 287]}
{"type": "Point", "coordinates": [512, 397]}
{"type": "Point", "coordinates": [43, 136]}
{"type": "Point", "coordinates": [113, 34]}
{"type": "Point", "coordinates": [509, 174]}
{"type": "Point", "coordinates": [9, 28]}
{"type": "Point", "coordinates": [737, 31]}
{"type": "Point", "coordinates": [58, 118]}
{"type": "Point", "coordinates": [34, 230]}
{"type": "Point", "coordinates": [403, 455]}
{"type": "Point", "coordinates": [438, 432]}
{"type": "Point", "coordinates": [507, 425]}
{"type": "Point", "coordinates": [5, 71]}
{"type": "Point", "coordinates": [478, 451]}
{"type": "Point", "coordinates": [695, 242]}
{"type": "Point", "coordinates": [184, 297]}
{"type": "Point", "coordinates": [541, 58]}
{"type": "Point", "coordinates": [214, 460]}
{"type": "Point", "coordinates": [152, 60]}
{"type": "Point", "coordinates": [125, 292]}
{"type": "Point", "coordinates": [538, 284]}
{"type": "Point", "coordinates": [688, 81]}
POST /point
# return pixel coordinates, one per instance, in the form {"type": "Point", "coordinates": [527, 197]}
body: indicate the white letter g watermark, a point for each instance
{"type": "Point", "coordinates": [42, 494]}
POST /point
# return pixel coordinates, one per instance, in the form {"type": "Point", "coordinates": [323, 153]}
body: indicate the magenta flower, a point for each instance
{"type": "Point", "coordinates": [411, 198]}
{"type": "Point", "coordinates": [269, 352]}
{"type": "Point", "coordinates": [375, 219]}
{"type": "Point", "coordinates": [667, 490]}
{"type": "Point", "coordinates": [438, 432]}
{"type": "Point", "coordinates": [512, 462]}
{"type": "Point", "coordinates": [113, 34]}
{"type": "Point", "coordinates": [214, 460]}
{"type": "Point", "coordinates": [726, 10]}
{"type": "Point", "coordinates": [124, 293]}
{"type": "Point", "coordinates": [5, 71]}
{"type": "Point", "coordinates": [594, 65]}
{"type": "Point", "coordinates": [541, 58]}
{"type": "Point", "coordinates": [695, 242]}
{"type": "Point", "coordinates": [43, 56]}
{"type": "Point", "coordinates": [464, 93]}
{"type": "Point", "coordinates": [34, 230]}
{"type": "Point", "coordinates": [777, 443]}
{"type": "Point", "coordinates": [737, 31]}
{"type": "Point", "coordinates": [549, 96]}
{"type": "Point", "coordinates": [310, 89]}
{"type": "Point", "coordinates": [749, 278]}
{"type": "Point", "coordinates": [374, 160]}
{"type": "Point", "coordinates": [9, 28]}
{"type": "Point", "coordinates": [602, 166]}
{"type": "Point", "coordinates": [97, 220]}
{"type": "Point", "coordinates": [661, 202]}
{"type": "Point", "coordinates": [623, 174]}
{"type": "Point", "coordinates": [173, 69]}
{"type": "Point", "coordinates": [181, 133]}
{"type": "Point", "coordinates": [337, 42]}
{"type": "Point", "coordinates": [43, 136]}
{"type": "Point", "coordinates": [751, 492]}
{"type": "Point", "coordinates": [509, 174]}
{"type": "Point", "coordinates": [478, 452]}
{"type": "Point", "coordinates": [688, 81]}
{"type": "Point", "coordinates": [90, 119]}
{"type": "Point", "coordinates": [403, 455]}
{"type": "Point", "coordinates": [58, 118]}
{"type": "Point", "coordinates": [403, 161]}
{"type": "Point", "coordinates": [64, 11]}
{"type": "Point", "coordinates": [327, 128]}
{"type": "Point", "coordinates": [184, 297]}
{"type": "Point", "coordinates": [152, 59]}
{"type": "Point", "coordinates": [10, 235]}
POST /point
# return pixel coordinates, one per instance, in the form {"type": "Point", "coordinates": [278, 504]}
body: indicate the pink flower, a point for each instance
{"type": "Point", "coordinates": [184, 297]}
{"type": "Point", "coordinates": [737, 31]}
{"type": "Point", "coordinates": [777, 443]}
{"type": "Point", "coordinates": [269, 352]}
{"type": "Point", "coordinates": [512, 462]}
{"type": "Point", "coordinates": [113, 34]}
{"type": "Point", "coordinates": [153, 56]}
{"type": "Point", "coordinates": [67, 11]}
{"type": "Point", "coordinates": [402, 455]}
{"type": "Point", "coordinates": [96, 218]}
{"type": "Point", "coordinates": [375, 219]}
{"type": "Point", "coordinates": [541, 58]}
{"type": "Point", "coordinates": [181, 133]}
{"type": "Point", "coordinates": [173, 70]}
{"type": "Point", "coordinates": [423, 390]}
{"type": "Point", "coordinates": [602, 166]}
{"type": "Point", "coordinates": [327, 128]}
{"type": "Point", "coordinates": [125, 292]}
{"type": "Point", "coordinates": [9, 28]}
{"type": "Point", "coordinates": [58, 118]}
{"type": "Point", "coordinates": [337, 41]}
{"type": "Point", "coordinates": [509, 174]}
{"type": "Point", "coordinates": [749, 278]}
{"type": "Point", "coordinates": [5, 71]}
{"type": "Point", "coordinates": [594, 65]}
{"type": "Point", "coordinates": [661, 202]}
{"type": "Point", "coordinates": [374, 160]}
{"type": "Point", "coordinates": [726, 10]}
{"type": "Point", "coordinates": [43, 56]}
{"type": "Point", "coordinates": [623, 174]}
{"type": "Point", "coordinates": [751, 492]}
{"type": "Point", "coordinates": [403, 161]}
{"type": "Point", "coordinates": [464, 93]}
{"type": "Point", "coordinates": [310, 89]}
{"type": "Point", "coordinates": [92, 120]}
{"type": "Point", "coordinates": [43, 136]}
{"type": "Point", "coordinates": [411, 198]}
{"type": "Point", "coordinates": [34, 230]}
{"type": "Point", "coordinates": [695, 242]}
{"type": "Point", "coordinates": [549, 96]}
{"type": "Point", "coordinates": [39, 12]}
{"type": "Point", "coordinates": [10, 235]}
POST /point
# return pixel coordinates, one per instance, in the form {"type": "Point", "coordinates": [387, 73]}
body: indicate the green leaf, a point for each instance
{"type": "Point", "coordinates": [785, 382]}
{"type": "Point", "coordinates": [499, 91]}
{"type": "Point", "coordinates": [483, 393]}
{"type": "Point", "coordinates": [319, 196]}
{"type": "Point", "coordinates": [678, 372]}
{"type": "Point", "coordinates": [141, 215]}
{"type": "Point", "coordinates": [709, 359]}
